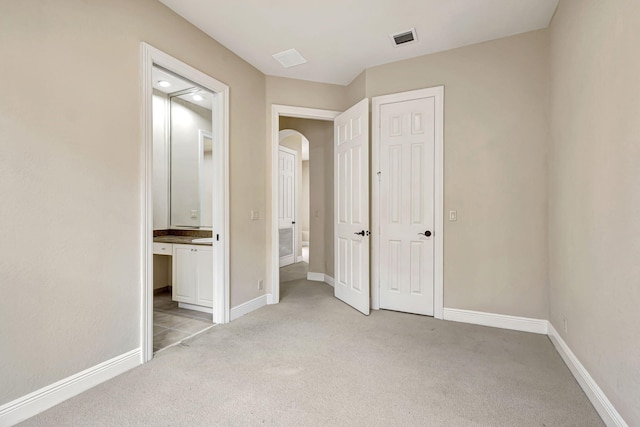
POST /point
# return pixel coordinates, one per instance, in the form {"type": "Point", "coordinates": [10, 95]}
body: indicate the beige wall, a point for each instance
{"type": "Point", "coordinates": [495, 143]}
{"type": "Point", "coordinates": [594, 188]}
{"type": "Point", "coordinates": [301, 93]}
{"type": "Point", "coordinates": [356, 91]}
{"type": "Point", "coordinates": [70, 178]}
{"type": "Point", "coordinates": [320, 136]}
{"type": "Point", "coordinates": [294, 142]}
{"type": "Point", "coordinates": [304, 202]}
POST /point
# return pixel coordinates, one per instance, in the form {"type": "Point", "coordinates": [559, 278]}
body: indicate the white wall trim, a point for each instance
{"type": "Point", "coordinates": [315, 277]}
{"type": "Point", "coordinates": [40, 400]}
{"type": "Point", "coordinates": [598, 399]}
{"type": "Point", "coordinates": [515, 323]}
{"type": "Point", "coordinates": [438, 195]}
{"type": "Point", "coordinates": [149, 56]}
{"type": "Point", "coordinates": [249, 306]}
{"type": "Point", "coordinates": [276, 112]}
{"type": "Point", "coordinates": [329, 280]}
{"type": "Point", "coordinates": [299, 258]}
{"type": "Point", "coordinates": [321, 277]}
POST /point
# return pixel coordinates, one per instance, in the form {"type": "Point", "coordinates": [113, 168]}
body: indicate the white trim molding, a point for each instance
{"type": "Point", "coordinates": [515, 323]}
{"type": "Point", "coordinates": [315, 277]}
{"type": "Point", "coordinates": [321, 277]}
{"type": "Point", "coordinates": [40, 400]}
{"type": "Point", "coordinates": [598, 399]}
{"type": "Point", "coordinates": [249, 306]}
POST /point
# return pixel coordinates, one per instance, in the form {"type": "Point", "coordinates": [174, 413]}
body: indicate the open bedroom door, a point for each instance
{"type": "Point", "coordinates": [351, 201]}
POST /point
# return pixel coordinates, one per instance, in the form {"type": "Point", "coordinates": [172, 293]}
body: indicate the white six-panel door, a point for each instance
{"type": "Point", "coordinates": [286, 205]}
{"type": "Point", "coordinates": [351, 200]}
{"type": "Point", "coordinates": [406, 215]}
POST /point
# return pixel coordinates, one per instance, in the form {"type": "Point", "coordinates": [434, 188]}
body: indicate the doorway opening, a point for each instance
{"type": "Point", "coordinates": [185, 238]}
{"type": "Point", "coordinates": [291, 126]}
{"type": "Point", "coordinates": [293, 204]}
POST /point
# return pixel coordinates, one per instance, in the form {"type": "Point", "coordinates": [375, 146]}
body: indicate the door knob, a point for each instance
{"type": "Point", "coordinates": [362, 233]}
{"type": "Point", "coordinates": [293, 222]}
{"type": "Point", "coordinates": [426, 233]}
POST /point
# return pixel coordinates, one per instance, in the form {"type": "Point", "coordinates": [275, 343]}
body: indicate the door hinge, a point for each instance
{"type": "Point", "coordinates": [217, 237]}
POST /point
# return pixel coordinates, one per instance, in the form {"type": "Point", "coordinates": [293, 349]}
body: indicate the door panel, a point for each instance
{"type": "Point", "coordinates": [407, 144]}
{"type": "Point", "coordinates": [286, 205]}
{"type": "Point", "coordinates": [204, 279]}
{"type": "Point", "coordinates": [351, 199]}
{"type": "Point", "coordinates": [184, 274]}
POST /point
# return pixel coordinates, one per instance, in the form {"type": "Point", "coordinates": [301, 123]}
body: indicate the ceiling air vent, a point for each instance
{"type": "Point", "coordinates": [405, 37]}
{"type": "Point", "coordinates": [289, 58]}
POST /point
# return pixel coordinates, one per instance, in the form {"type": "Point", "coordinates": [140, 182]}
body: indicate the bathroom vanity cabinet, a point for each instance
{"type": "Point", "coordinates": [193, 275]}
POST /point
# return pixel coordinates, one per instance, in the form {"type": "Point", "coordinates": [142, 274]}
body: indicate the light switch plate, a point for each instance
{"type": "Point", "coordinates": [453, 215]}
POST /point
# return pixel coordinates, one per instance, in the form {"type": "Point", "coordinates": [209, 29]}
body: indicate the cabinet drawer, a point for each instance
{"type": "Point", "coordinates": [162, 248]}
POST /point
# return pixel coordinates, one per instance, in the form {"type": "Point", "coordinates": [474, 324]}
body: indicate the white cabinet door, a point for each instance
{"type": "Point", "coordinates": [184, 274]}
{"type": "Point", "coordinates": [351, 199]}
{"type": "Point", "coordinates": [204, 276]}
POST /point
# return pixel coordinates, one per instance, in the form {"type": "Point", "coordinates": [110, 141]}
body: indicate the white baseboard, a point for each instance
{"type": "Point", "coordinates": [40, 400]}
{"type": "Point", "coordinates": [524, 324]}
{"type": "Point", "coordinates": [605, 409]}
{"type": "Point", "coordinates": [321, 277]}
{"type": "Point", "coordinates": [269, 298]}
{"type": "Point", "coordinates": [299, 259]}
{"type": "Point", "coordinates": [195, 307]}
{"type": "Point", "coordinates": [249, 306]}
{"type": "Point", "coordinates": [316, 277]}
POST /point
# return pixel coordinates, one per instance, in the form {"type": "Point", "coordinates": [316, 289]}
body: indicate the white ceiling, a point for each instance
{"type": "Point", "coordinates": [340, 38]}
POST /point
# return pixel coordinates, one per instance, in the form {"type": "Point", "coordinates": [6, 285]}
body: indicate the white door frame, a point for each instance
{"type": "Point", "coordinates": [438, 195]}
{"type": "Point", "coordinates": [278, 111]}
{"type": "Point", "coordinates": [220, 122]}
{"type": "Point", "coordinates": [296, 208]}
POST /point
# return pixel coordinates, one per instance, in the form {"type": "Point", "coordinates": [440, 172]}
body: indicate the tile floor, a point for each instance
{"type": "Point", "coordinates": [172, 324]}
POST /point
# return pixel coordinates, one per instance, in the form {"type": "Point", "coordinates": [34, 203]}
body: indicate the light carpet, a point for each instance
{"type": "Point", "coordinates": [312, 360]}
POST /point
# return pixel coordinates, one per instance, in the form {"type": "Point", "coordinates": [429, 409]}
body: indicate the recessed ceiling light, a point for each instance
{"type": "Point", "coordinates": [289, 58]}
{"type": "Point", "coordinates": [163, 83]}
{"type": "Point", "coordinates": [197, 97]}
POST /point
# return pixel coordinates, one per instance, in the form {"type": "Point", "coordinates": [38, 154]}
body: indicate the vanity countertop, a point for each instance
{"type": "Point", "coordinates": [184, 237]}
{"type": "Point", "coordinates": [184, 240]}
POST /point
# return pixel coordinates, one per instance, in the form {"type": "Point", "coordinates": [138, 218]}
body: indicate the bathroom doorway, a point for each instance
{"type": "Point", "coordinates": [186, 241]}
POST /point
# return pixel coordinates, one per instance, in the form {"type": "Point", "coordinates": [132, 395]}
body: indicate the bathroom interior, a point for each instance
{"type": "Point", "coordinates": [183, 176]}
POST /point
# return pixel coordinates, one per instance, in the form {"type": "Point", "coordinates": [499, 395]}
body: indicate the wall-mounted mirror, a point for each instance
{"type": "Point", "coordinates": [190, 141]}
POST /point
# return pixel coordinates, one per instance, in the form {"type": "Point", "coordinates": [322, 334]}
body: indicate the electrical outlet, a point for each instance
{"type": "Point", "coordinates": [194, 214]}
{"type": "Point", "coordinates": [565, 324]}
{"type": "Point", "coordinates": [260, 284]}
{"type": "Point", "coordinates": [255, 215]}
